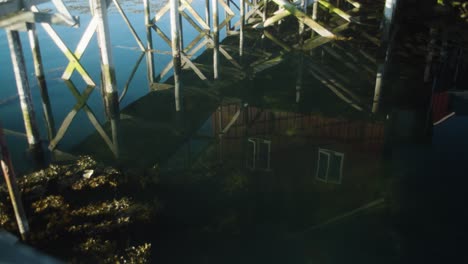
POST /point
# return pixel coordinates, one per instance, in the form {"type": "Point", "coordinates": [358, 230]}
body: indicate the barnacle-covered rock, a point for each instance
{"type": "Point", "coordinates": [50, 202]}
{"type": "Point", "coordinates": [4, 217]}
{"type": "Point", "coordinates": [106, 207]}
{"type": "Point", "coordinates": [135, 255]}
{"type": "Point", "coordinates": [95, 182]}
{"type": "Point", "coordinates": [97, 246]}
{"type": "Point", "coordinates": [75, 218]}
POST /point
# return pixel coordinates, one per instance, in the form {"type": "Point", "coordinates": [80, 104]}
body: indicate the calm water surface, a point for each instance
{"type": "Point", "coordinates": [264, 173]}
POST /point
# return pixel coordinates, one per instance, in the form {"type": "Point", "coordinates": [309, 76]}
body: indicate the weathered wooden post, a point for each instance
{"type": "Point", "coordinates": [301, 24]}
{"type": "Point", "coordinates": [111, 98]}
{"type": "Point", "coordinates": [214, 4]}
{"type": "Point", "coordinates": [176, 57]}
{"type": "Point", "coordinates": [241, 29]}
{"type": "Point", "coordinates": [149, 42]}
{"type": "Point", "coordinates": [226, 14]}
{"type": "Point", "coordinates": [387, 22]}
{"type": "Point", "coordinates": [207, 12]}
{"type": "Point", "coordinates": [39, 72]}
{"type": "Point", "coordinates": [10, 180]}
{"type": "Point", "coordinates": [24, 92]}
{"type": "Point", "coordinates": [314, 9]}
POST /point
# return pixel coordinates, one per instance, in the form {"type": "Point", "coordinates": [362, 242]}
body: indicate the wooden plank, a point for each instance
{"type": "Point", "coordinates": [277, 41]}
{"type": "Point", "coordinates": [66, 51]}
{"type": "Point", "coordinates": [81, 47]}
{"type": "Point", "coordinates": [161, 86]}
{"type": "Point", "coordinates": [22, 85]}
{"type": "Point", "coordinates": [12, 186]}
{"type": "Point", "coordinates": [196, 16]}
{"type": "Point", "coordinates": [330, 86]}
{"type": "Point", "coordinates": [335, 10]}
{"type": "Point", "coordinates": [81, 101]}
{"type": "Point", "coordinates": [272, 20]}
{"type": "Point", "coordinates": [194, 68]}
{"type": "Point", "coordinates": [129, 25]}
{"type": "Point", "coordinates": [318, 41]}
{"type": "Point", "coordinates": [302, 17]}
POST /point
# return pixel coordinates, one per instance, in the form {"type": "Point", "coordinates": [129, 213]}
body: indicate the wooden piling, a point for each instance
{"type": "Point", "coordinates": [10, 180]}
{"type": "Point", "coordinates": [301, 24]}
{"type": "Point", "coordinates": [214, 6]}
{"type": "Point", "coordinates": [39, 72]}
{"type": "Point", "coordinates": [149, 42]}
{"type": "Point", "coordinates": [378, 88]}
{"type": "Point", "coordinates": [226, 14]}
{"type": "Point", "coordinates": [207, 12]}
{"type": "Point", "coordinates": [24, 91]}
{"type": "Point", "coordinates": [387, 21]}
{"type": "Point", "coordinates": [176, 56]}
{"type": "Point", "coordinates": [314, 10]}
{"type": "Point", "coordinates": [111, 99]}
{"type": "Point", "coordinates": [241, 28]}
{"type": "Point", "coordinates": [384, 52]}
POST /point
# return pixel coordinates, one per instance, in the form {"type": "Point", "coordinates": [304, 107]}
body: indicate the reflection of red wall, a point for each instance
{"type": "Point", "coordinates": [364, 135]}
{"type": "Point", "coordinates": [440, 106]}
{"type": "Point", "coordinates": [295, 139]}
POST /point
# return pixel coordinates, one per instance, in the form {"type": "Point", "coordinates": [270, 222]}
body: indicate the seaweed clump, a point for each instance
{"type": "Point", "coordinates": [85, 212]}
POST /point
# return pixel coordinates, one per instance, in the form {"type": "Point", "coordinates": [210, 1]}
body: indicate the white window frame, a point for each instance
{"type": "Point", "coordinates": [329, 154]}
{"type": "Point", "coordinates": [256, 145]}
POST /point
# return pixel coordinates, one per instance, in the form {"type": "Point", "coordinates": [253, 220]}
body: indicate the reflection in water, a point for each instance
{"type": "Point", "coordinates": [299, 157]}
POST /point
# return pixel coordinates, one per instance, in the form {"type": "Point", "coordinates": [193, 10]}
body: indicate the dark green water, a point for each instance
{"type": "Point", "coordinates": [257, 170]}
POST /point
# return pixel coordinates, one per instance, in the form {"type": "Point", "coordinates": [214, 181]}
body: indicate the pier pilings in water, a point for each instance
{"type": "Point", "coordinates": [230, 17]}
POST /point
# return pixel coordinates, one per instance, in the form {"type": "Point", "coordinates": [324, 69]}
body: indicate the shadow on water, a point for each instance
{"type": "Point", "coordinates": [252, 172]}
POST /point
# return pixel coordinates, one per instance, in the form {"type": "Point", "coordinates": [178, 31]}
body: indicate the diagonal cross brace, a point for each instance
{"type": "Point", "coordinates": [88, 35]}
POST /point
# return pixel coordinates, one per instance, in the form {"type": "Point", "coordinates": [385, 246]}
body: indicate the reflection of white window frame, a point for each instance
{"type": "Point", "coordinates": [329, 154]}
{"type": "Point", "coordinates": [256, 142]}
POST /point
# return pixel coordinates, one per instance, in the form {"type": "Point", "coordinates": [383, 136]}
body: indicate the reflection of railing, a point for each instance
{"type": "Point", "coordinates": [259, 156]}
{"type": "Point", "coordinates": [257, 122]}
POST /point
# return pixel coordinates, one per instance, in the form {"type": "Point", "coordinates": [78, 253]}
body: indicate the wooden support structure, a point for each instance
{"type": "Point", "coordinates": [301, 16]}
{"type": "Point", "coordinates": [111, 98]}
{"type": "Point", "coordinates": [15, 15]}
{"type": "Point", "coordinates": [149, 42]}
{"type": "Point", "coordinates": [207, 13]}
{"type": "Point", "coordinates": [215, 39]}
{"type": "Point", "coordinates": [241, 28]}
{"type": "Point", "coordinates": [74, 57]}
{"type": "Point", "coordinates": [39, 73]}
{"type": "Point", "coordinates": [314, 10]}
{"type": "Point", "coordinates": [22, 85]}
{"type": "Point", "coordinates": [335, 10]}
{"type": "Point", "coordinates": [384, 53]}
{"type": "Point", "coordinates": [13, 190]}
{"type": "Point", "coordinates": [176, 55]}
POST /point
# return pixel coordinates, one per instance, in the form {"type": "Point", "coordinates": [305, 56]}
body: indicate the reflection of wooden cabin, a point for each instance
{"type": "Point", "coordinates": [308, 157]}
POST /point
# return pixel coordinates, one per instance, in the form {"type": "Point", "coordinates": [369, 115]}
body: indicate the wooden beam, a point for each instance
{"type": "Point", "coordinates": [301, 16]}
{"type": "Point", "coordinates": [335, 10]}
{"type": "Point", "coordinates": [12, 186]}
{"type": "Point", "coordinates": [24, 91]}
{"type": "Point", "coordinates": [318, 41]}
{"type": "Point", "coordinates": [110, 92]}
